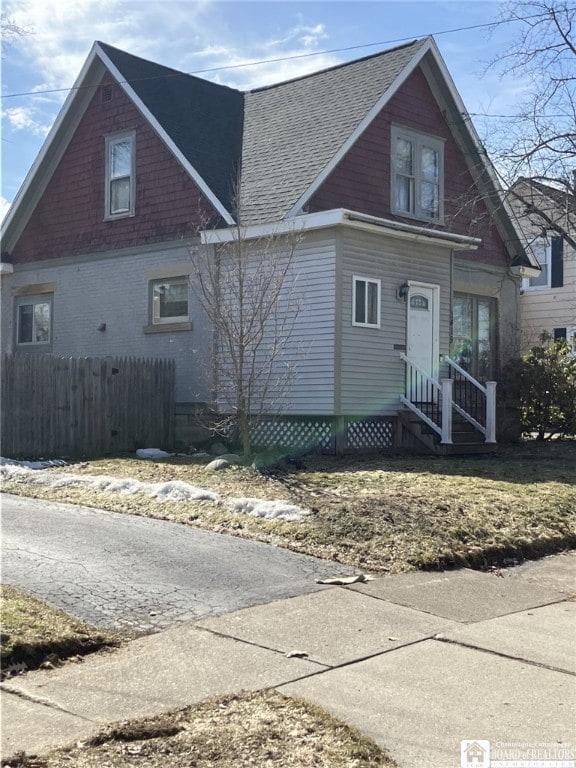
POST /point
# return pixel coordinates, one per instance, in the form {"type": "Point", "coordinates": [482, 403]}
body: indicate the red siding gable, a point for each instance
{"type": "Point", "coordinates": [69, 218]}
{"type": "Point", "coordinates": [361, 181]}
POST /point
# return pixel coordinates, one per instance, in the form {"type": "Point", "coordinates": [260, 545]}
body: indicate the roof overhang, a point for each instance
{"type": "Point", "coordinates": [339, 217]}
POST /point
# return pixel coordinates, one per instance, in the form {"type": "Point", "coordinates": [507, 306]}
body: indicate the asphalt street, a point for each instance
{"type": "Point", "coordinates": [127, 572]}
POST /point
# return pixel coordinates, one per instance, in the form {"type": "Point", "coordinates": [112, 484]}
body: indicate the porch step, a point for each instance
{"type": "Point", "coordinates": [466, 439]}
{"type": "Point", "coordinates": [466, 449]}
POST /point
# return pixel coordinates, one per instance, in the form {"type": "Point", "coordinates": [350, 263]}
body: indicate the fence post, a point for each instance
{"type": "Point", "coordinates": [446, 411]}
{"type": "Point", "coordinates": [490, 411]}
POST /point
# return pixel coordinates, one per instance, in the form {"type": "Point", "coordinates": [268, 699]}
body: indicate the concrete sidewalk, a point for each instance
{"type": "Point", "coordinates": [419, 662]}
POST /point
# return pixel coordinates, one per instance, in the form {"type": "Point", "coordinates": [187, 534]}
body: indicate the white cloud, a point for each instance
{"type": "Point", "coordinates": [22, 119]}
{"type": "Point", "coordinates": [4, 206]}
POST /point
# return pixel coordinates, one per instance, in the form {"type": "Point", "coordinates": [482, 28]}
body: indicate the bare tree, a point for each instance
{"type": "Point", "coordinates": [539, 143]}
{"type": "Point", "coordinates": [248, 290]}
{"type": "Point", "coordinates": [10, 31]}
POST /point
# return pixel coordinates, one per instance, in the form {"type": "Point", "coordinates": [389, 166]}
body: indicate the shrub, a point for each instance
{"type": "Point", "coordinates": [544, 384]}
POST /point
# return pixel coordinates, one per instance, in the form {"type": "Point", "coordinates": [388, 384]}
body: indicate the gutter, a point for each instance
{"type": "Point", "coordinates": [335, 218]}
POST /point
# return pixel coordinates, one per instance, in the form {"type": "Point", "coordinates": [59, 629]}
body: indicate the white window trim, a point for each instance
{"type": "Point", "coordinates": [571, 339]}
{"type": "Point", "coordinates": [526, 280]}
{"type": "Point", "coordinates": [109, 143]}
{"type": "Point", "coordinates": [378, 284]}
{"type": "Point", "coordinates": [417, 139]}
{"type": "Point", "coordinates": [24, 300]}
{"type": "Point", "coordinates": [155, 319]}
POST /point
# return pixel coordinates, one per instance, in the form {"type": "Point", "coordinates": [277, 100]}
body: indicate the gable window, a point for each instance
{"type": "Point", "coordinates": [549, 252]}
{"type": "Point", "coordinates": [170, 303]}
{"type": "Point", "coordinates": [417, 175]}
{"type": "Point", "coordinates": [366, 302]}
{"type": "Point", "coordinates": [34, 320]}
{"type": "Point", "coordinates": [473, 335]}
{"type": "Point", "coordinates": [120, 175]}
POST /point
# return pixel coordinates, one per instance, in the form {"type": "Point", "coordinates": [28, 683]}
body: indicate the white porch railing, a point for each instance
{"type": "Point", "coordinates": [434, 401]}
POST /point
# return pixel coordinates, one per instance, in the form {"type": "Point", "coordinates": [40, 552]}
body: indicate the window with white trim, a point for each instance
{"type": "Point", "coordinates": [34, 321]}
{"type": "Point", "coordinates": [120, 175]}
{"type": "Point", "coordinates": [365, 302]}
{"type": "Point", "coordinates": [417, 175]}
{"type": "Point", "coordinates": [170, 300]}
{"type": "Point", "coordinates": [542, 250]}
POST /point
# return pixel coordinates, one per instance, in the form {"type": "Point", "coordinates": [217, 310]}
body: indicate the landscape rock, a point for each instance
{"type": "Point", "coordinates": [218, 464]}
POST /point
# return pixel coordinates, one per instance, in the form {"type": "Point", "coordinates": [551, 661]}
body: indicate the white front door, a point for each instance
{"type": "Point", "coordinates": [422, 327]}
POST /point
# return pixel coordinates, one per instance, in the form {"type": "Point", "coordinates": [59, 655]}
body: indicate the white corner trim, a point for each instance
{"type": "Point", "coordinates": [6, 269]}
{"type": "Point", "coordinates": [188, 167]}
{"type": "Point", "coordinates": [361, 127]}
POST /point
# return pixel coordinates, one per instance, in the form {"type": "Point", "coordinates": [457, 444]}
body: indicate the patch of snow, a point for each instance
{"type": "Point", "coordinates": [270, 510]}
{"type": "Point", "coordinates": [176, 490]}
{"type": "Point", "coordinates": [171, 491]}
{"type": "Point", "coordinates": [152, 453]}
{"type": "Point", "coordinates": [43, 464]}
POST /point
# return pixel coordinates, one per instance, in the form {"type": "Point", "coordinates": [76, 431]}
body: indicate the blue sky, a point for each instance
{"type": "Point", "coordinates": [193, 35]}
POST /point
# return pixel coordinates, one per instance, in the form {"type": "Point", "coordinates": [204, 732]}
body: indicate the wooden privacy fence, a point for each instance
{"type": "Point", "coordinates": [87, 406]}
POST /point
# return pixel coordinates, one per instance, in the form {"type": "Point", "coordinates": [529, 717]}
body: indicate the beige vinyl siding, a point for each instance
{"type": "Point", "coordinates": [549, 308]}
{"type": "Point", "coordinates": [371, 373]}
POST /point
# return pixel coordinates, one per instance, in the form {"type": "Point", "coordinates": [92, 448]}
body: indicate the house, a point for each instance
{"type": "Point", "coordinates": [407, 252]}
{"type": "Point", "coordinates": [547, 215]}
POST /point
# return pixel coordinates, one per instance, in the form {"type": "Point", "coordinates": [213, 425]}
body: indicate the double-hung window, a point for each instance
{"type": "Point", "coordinates": [170, 303]}
{"type": "Point", "coordinates": [549, 252]}
{"type": "Point", "coordinates": [365, 302]}
{"type": "Point", "coordinates": [34, 321]}
{"type": "Point", "coordinates": [120, 175]}
{"type": "Point", "coordinates": [542, 249]}
{"type": "Point", "coordinates": [417, 175]}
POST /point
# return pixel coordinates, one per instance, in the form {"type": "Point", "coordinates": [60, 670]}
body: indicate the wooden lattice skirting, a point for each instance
{"type": "Point", "coordinates": [325, 434]}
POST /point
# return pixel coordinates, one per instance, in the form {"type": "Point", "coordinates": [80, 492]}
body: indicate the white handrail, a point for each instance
{"type": "Point", "coordinates": [445, 387]}
{"type": "Point", "coordinates": [466, 375]}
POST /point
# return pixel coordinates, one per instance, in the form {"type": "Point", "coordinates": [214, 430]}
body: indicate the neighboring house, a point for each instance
{"type": "Point", "coordinates": [547, 216]}
{"type": "Point", "coordinates": [407, 250]}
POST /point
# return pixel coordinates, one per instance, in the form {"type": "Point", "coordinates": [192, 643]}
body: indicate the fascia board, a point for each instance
{"type": "Point", "coordinates": [360, 128]}
{"type": "Point", "coordinates": [188, 167]}
{"type": "Point", "coordinates": [340, 217]}
{"type": "Point", "coordinates": [309, 221]}
{"type": "Point", "coordinates": [75, 96]}
{"type": "Point", "coordinates": [469, 128]}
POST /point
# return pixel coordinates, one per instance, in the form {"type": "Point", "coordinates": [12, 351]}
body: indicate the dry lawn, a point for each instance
{"type": "Point", "coordinates": [380, 514]}
{"type": "Point", "coordinates": [255, 729]}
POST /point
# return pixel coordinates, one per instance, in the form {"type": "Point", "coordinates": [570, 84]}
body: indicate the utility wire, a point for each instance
{"type": "Point", "coordinates": [485, 25]}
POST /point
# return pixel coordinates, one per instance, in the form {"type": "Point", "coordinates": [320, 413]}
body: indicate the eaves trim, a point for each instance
{"type": "Point", "coordinates": [340, 217]}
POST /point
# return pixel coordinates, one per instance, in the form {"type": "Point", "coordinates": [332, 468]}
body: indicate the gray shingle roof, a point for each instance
{"type": "Point", "coordinates": [293, 130]}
